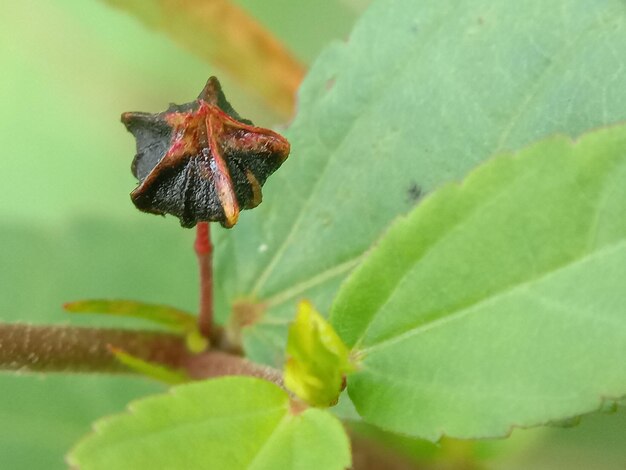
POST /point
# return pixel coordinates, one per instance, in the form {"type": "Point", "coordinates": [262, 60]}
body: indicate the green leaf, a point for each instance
{"type": "Point", "coordinates": [313, 440]}
{"type": "Point", "coordinates": [241, 422]}
{"type": "Point", "coordinates": [152, 370]}
{"type": "Point", "coordinates": [420, 94]}
{"type": "Point", "coordinates": [500, 301]}
{"type": "Point", "coordinates": [170, 317]}
{"type": "Point", "coordinates": [317, 359]}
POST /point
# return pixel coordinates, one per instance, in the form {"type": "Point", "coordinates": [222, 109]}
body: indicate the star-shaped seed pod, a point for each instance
{"type": "Point", "coordinates": [201, 161]}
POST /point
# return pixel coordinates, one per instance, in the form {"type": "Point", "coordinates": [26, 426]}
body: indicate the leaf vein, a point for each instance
{"type": "Point", "coordinates": [452, 316]}
{"type": "Point", "coordinates": [373, 99]}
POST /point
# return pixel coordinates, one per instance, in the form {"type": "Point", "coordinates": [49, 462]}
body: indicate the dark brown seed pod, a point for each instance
{"type": "Point", "coordinates": [200, 161]}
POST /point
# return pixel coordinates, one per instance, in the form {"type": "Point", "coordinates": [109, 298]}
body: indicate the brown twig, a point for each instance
{"type": "Point", "coordinates": [218, 363]}
{"type": "Point", "coordinates": [67, 349]}
{"type": "Point", "coordinates": [204, 252]}
{"type": "Point", "coordinates": [34, 348]}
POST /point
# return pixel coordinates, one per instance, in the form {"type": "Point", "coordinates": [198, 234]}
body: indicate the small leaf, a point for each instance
{"type": "Point", "coordinates": [317, 359]}
{"type": "Point", "coordinates": [173, 319]}
{"type": "Point", "coordinates": [149, 369]}
{"type": "Point", "coordinates": [232, 422]}
{"type": "Point", "coordinates": [498, 302]}
{"type": "Point", "coordinates": [170, 317]}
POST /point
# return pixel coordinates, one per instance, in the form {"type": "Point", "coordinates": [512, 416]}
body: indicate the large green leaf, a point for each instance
{"type": "Point", "coordinates": [498, 302]}
{"type": "Point", "coordinates": [234, 423]}
{"type": "Point", "coordinates": [420, 94]}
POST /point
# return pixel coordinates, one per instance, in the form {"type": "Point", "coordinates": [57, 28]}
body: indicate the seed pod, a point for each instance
{"type": "Point", "coordinates": [201, 161]}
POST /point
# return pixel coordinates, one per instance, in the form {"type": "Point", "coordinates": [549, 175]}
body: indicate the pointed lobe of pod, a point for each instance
{"type": "Point", "coordinates": [200, 161]}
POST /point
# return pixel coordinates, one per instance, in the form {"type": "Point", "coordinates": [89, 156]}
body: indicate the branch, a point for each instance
{"type": "Point", "coordinates": [67, 349]}
{"type": "Point", "coordinates": [30, 348]}
{"type": "Point", "coordinates": [72, 349]}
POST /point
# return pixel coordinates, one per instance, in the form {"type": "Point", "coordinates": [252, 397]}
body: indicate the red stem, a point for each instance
{"type": "Point", "coordinates": [204, 251]}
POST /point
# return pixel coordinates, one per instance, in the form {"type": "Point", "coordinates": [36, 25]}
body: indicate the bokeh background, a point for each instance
{"type": "Point", "coordinates": [68, 230]}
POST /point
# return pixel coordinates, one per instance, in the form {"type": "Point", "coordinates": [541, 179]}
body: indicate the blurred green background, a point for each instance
{"type": "Point", "coordinates": [68, 231]}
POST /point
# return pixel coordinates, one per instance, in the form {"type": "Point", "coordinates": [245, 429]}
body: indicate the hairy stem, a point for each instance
{"type": "Point", "coordinates": [66, 349]}
{"type": "Point", "coordinates": [204, 251]}
{"type": "Point", "coordinates": [218, 364]}
{"type": "Point", "coordinates": [30, 348]}
{"type": "Point", "coordinates": [71, 349]}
